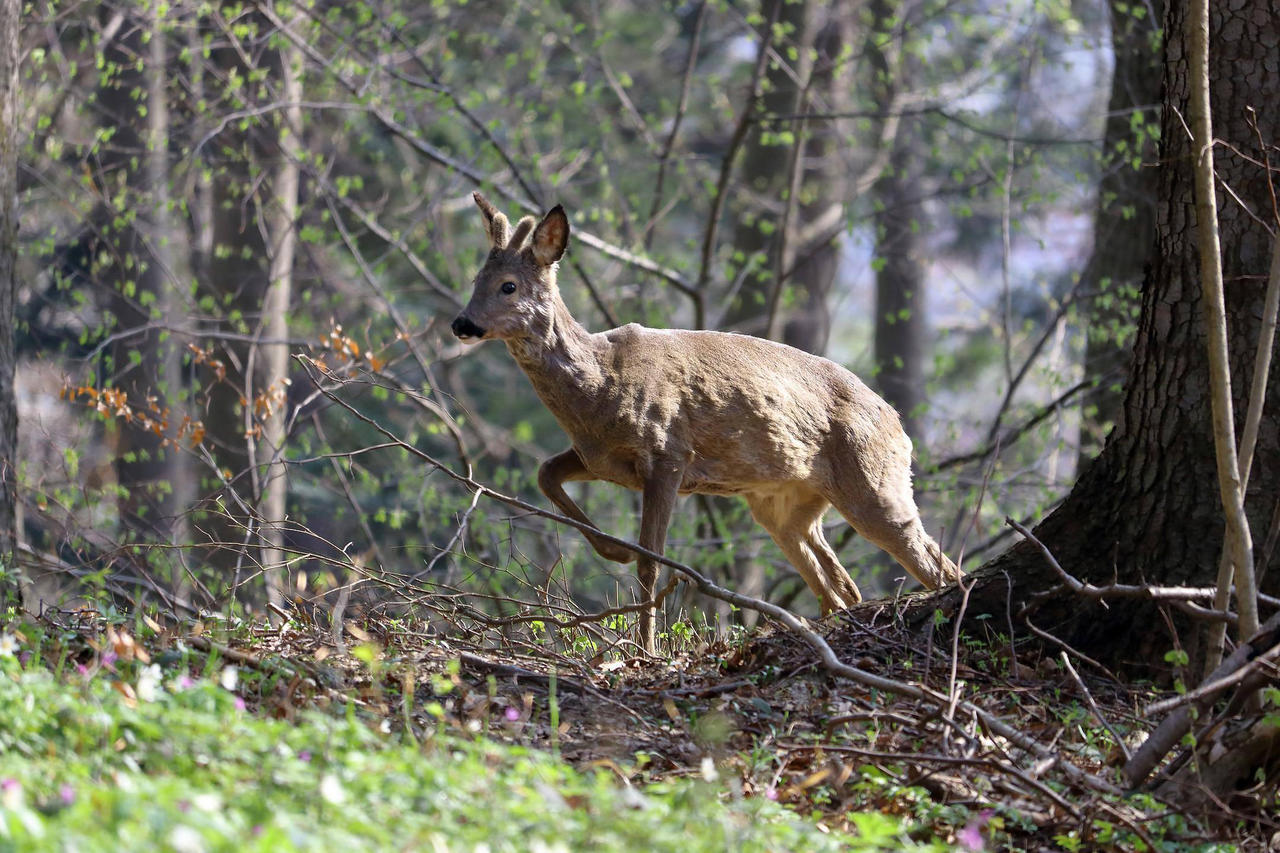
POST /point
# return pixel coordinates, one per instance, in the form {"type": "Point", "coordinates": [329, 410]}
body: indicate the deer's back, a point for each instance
{"type": "Point", "coordinates": [742, 412]}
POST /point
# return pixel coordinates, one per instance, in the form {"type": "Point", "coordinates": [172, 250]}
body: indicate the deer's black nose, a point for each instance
{"type": "Point", "coordinates": [464, 328]}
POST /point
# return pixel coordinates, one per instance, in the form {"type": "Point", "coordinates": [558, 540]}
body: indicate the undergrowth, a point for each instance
{"type": "Point", "coordinates": [103, 751]}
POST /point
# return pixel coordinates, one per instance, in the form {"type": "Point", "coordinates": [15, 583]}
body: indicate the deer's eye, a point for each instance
{"type": "Point", "coordinates": [508, 287]}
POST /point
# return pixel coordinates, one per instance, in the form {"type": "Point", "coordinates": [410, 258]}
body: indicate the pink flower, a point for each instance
{"type": "Point", "coordinates": [305, 755]}
{"type": "Point", "coordinates": [970, 837]}
{"type": "Point", "coordinates": [67, 794]}
{"type": "Point", "coordinates": [771, 793]}
{"type": "Point", "coordinates": [512, 713]}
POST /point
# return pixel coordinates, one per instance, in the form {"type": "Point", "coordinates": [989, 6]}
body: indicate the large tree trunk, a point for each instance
{"type": "Point", "coordinates": [10, 19]}
{"type": "Point", "coordinates": [1148, 509]}
{"type": "Point", "coordinates": [1124, 224]}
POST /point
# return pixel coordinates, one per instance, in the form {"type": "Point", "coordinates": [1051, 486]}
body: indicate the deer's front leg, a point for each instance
{"type": "Point", "coordinates": [661, 488]}
{"type": "Point", "coordinates": [567, 467]}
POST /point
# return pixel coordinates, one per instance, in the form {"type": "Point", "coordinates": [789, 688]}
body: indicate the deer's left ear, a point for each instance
{"type": "Point", "coordinates": [495, 222]}
{"type": "Point", "coordinates": [551, 237]}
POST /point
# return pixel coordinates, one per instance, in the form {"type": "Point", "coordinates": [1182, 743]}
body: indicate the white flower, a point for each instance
{"type": "Point", "coordinates": [229, 677]}
{"type": "Point", "coordinates": [184, 839]}
{"type": "Point", "coordinates": [8, 645]}
{"type": "Point", "coordinates": [537, 845]}
{"type": "Point", "coordinates": [331, 790]}
{"type": "Point", "coordinates": [149, 688]}
{"type": "Point", "coordinates": [708, 768]}
{"type": "Point", "coordinates": [207, 802]}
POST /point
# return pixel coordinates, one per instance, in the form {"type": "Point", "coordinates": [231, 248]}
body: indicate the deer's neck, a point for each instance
{"type": "Point", "coordinates": [560, 359]}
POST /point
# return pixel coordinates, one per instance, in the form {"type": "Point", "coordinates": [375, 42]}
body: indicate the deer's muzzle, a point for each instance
{"type": "Point", "coordinates": [464, 328]}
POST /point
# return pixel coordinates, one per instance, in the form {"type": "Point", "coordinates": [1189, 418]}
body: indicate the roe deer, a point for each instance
{"type": "Point", "coordinates": [669, 412]}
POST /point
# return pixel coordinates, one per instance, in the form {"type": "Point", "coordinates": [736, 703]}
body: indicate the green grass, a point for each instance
{"type": "Point", "coordinates": [139, 759]}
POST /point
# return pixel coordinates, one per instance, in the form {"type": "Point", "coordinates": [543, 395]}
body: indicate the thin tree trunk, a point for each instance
{"type": "Point", "coordinates": [10, 26]}
{"type": "Point", "coordinates": [162, 239]}
{"type": "Point", "coordinates": [1213, 302]}
{"type": "Point", "coordinates": [276, 326]}
{"type": "Point", "coordinates": [899, 328]}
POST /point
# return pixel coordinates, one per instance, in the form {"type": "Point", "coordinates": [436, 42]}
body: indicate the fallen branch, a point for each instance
{"type": "Point", "coordinates": [1174, 726]}
{"type": "Point", "coordinates": [1210, 689]}
{"type": "Point", "coordinates": [1179, 596]}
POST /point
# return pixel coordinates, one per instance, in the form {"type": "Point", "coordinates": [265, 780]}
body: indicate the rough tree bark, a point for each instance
{"type": "Point", "coordinates": [1148, 510]}
{"type": "Point", "coordinates": [10, 26]}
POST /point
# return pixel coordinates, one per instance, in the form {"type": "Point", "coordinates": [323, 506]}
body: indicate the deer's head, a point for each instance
{"type": "Point", "coordinates": [515, 291]}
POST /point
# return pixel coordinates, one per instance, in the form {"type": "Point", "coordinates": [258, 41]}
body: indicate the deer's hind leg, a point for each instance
{"type": "Point", "coordinates": [793, 518]}
{"type": "Point", "coordinates": [568, 467]}
{"type": "Point", "coordinates": [887, 517]}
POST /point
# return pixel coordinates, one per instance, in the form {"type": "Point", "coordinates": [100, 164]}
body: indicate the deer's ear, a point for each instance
{"type": "Point", "coordinates": [495, 223]}
{"type": "Point", "coordinates": [521, 233]}
{"type": "Point", "coordinates": [551, 237]}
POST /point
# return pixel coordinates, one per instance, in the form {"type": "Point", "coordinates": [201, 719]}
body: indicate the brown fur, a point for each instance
{"type": "Point", "coordinates": [670, 412]}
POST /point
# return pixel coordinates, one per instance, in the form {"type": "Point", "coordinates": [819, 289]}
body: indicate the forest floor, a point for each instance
{"type": "Point", "coordinates": [764, 719]}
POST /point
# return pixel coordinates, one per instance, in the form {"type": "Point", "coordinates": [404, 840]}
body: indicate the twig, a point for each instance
{"type": "Point", "coordinates": [1093, 706]}
{"type": "Point", "coordinates": [953, 695]}
{"type": "Point", "coordinates": [1012, 435]}
{"type": "Point", "coordinates": [1178, 596]}
{"type": "Point", "coordinates": [1045, 635]}
{"type": "Point", "coordinates": [1212, 688]}
{"type": "Point", "coordinates": [388, 121]}
{"type": "Point", "coordinates": [1249, 437]}
{"type": "Point", "coordinates": [956, 760]}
